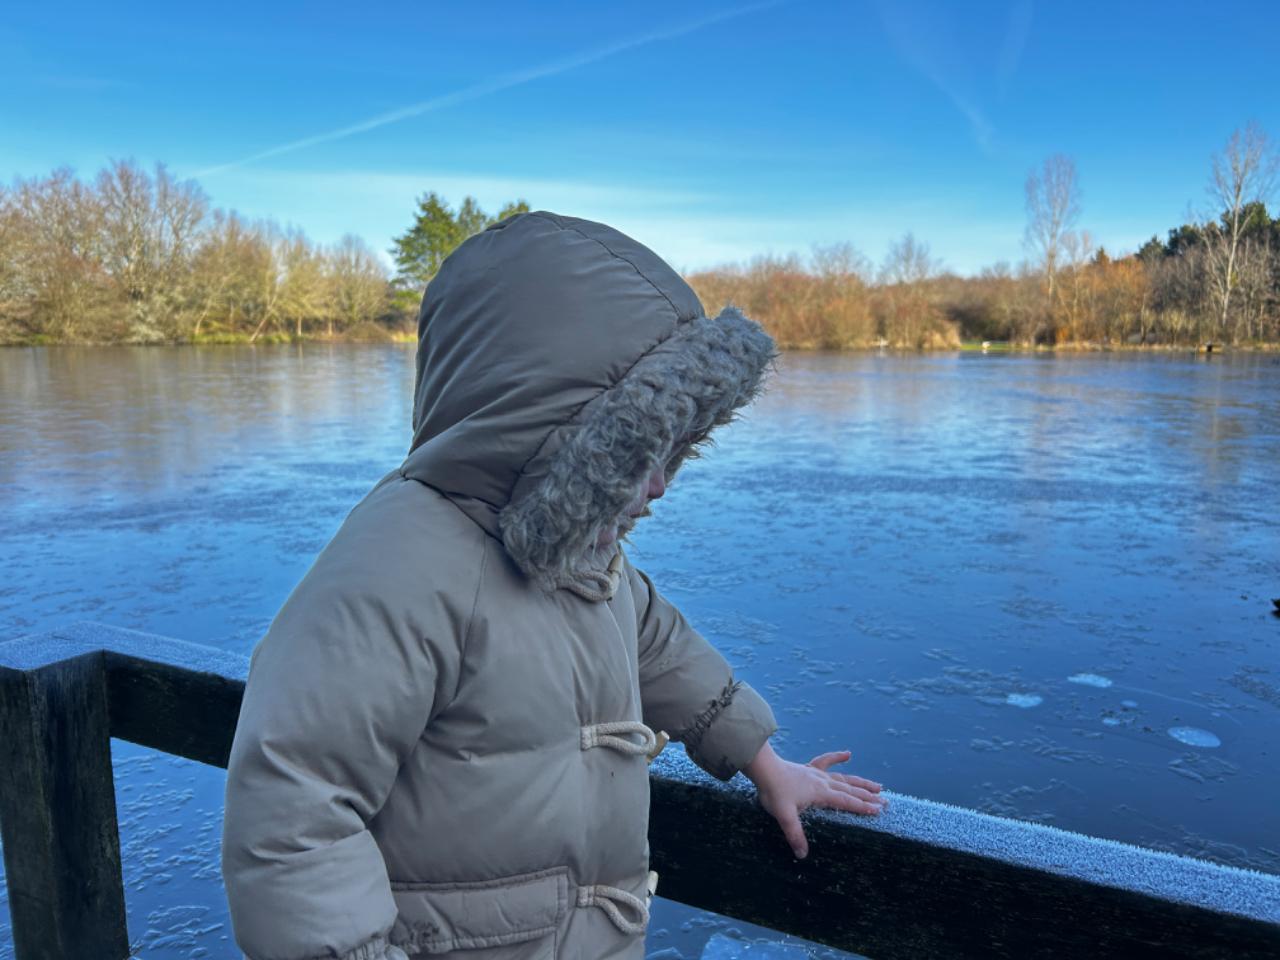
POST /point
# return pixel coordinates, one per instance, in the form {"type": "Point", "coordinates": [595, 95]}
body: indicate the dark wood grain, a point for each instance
{"type": "Point", "coordinates": [183, 712]}
{"type": "Point", "coordinates": [58, 813]}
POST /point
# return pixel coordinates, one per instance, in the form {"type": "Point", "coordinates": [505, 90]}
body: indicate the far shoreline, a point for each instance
{"type": "Point", "coordinates": [409, 338]}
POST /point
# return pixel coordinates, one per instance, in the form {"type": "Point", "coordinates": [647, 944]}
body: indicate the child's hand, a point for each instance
{"type": "Point", "coordinates": [786, 788]}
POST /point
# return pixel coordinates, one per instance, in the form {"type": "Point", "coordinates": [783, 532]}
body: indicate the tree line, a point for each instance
{"type": "Point", "coordinates": [141, 257]}
{"type": "Point", "coordinates": [1214, 279]}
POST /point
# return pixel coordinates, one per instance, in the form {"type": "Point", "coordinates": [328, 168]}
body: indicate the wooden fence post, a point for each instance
{"type": "Point", "coordinates": [58, 813]}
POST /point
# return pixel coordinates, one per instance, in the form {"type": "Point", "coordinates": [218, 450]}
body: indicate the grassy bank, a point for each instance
{"type": "Point", "coordinates": [223, 339]}
{"type": "Point", "coordinates": [410, 337]}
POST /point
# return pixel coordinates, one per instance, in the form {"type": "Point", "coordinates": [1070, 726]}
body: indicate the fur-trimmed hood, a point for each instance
{"type": "Point", "coordinates": [559, 361]}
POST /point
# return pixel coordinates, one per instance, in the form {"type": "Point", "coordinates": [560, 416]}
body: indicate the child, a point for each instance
{"type": "Point", "coordinates": [443, 742]}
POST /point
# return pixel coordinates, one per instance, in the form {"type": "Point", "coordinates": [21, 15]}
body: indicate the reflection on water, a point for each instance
{"type": "Point", "coordinates": [1034, 585]}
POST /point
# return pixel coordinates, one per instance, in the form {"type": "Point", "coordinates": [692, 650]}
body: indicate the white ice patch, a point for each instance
{"type": "Point", "coordinates": [1194, 737]}
{"type": "Point", "coordinates": [1024, 700]}
{"type": "Point", "coordinates": [1089, 680]}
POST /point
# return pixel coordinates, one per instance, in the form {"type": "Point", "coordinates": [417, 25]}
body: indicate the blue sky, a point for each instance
{"type": "Point", "coordinates": [711, 132]}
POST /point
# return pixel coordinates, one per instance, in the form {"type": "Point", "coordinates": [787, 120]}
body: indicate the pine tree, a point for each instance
{"type": "Point", "coordinates": [435, 233]}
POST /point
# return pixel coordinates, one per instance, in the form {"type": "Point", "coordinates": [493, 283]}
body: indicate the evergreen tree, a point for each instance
{"type": "Point", "coordinates": [435, 233]}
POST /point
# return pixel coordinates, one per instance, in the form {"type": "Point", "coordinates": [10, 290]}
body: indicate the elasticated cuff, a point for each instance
{"type": "Point", "coordinates": [735, 735]}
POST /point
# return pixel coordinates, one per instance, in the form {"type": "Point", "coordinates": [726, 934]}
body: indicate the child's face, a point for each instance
{"type": "Point", "coordinates": [653, 488]}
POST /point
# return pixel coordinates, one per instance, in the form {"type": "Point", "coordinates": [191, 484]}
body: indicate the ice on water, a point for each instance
{"type": "Point", "coordinates": [1024, 700]}
{"type": "Point", "coordinates": [1089, 680]}
{"type": "Point", "coordinates": [1194, 737]}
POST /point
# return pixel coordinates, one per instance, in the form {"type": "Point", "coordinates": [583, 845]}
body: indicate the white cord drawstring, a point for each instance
{"type": "Point", "coordinates": [606, 735]}
{"type": "Point", "coordinates": [607, 898]}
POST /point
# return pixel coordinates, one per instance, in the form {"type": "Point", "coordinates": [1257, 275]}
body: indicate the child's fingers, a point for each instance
{"type": "Point", "coordinates": [870, 796]}
{"type": "Point", "coordinates": [827, 759]}
{"type": "Point", "coordinates": [845, 801]}
{"type": "Point", "coordinates": [862, 782]}
{"type": "Point", "coordinates": [789, 820]}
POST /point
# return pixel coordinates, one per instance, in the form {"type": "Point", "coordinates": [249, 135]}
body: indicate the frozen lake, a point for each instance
{"type": "Point", "coordinates": [1037, 586]}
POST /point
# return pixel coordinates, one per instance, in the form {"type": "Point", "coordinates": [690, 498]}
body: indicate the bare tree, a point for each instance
{"type": "Point", "coordinates": [182, 209]}
{"type": "Point", "coordinates": [265, 274]}
{"type": "Point", "coordinates": [149, 233]}
{"type": "Point", "coordinates": [1073, 291]}
{"type": "Point", "coordinates": [841, 304]}
{"type": "Point", "coordinates": [907, 268]}
{"type": "Point", "coordinates": [124, 190]}
{"type": "Point", "coordinates": [217, 280]}
{"type": "Point", "coordinates": [358, 284]}
{"type": "Point", "coordinates": [301, 282]}
{"type": "Point", "coordinates": [1053, 207]}
{"type": "Point", "coordinates": [60, 256]}
{"type": "Point", "coordinates": [1244, 173]}
{"type": "Point", "coordinates": [14, 295]}
{"type": "Point", "coordinates": [1256, 265]}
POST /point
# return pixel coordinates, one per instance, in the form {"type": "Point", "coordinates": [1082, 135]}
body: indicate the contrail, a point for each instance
{"type": "Point", "coordinates": [503, 82]}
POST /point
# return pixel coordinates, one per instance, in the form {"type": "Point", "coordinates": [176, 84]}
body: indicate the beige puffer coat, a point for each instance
{"type": "Point", "coordinates": [442, 747]}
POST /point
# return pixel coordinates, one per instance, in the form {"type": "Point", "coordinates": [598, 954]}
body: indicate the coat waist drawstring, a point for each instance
{"type": "Point", "coordinates": [608, 898]}
{"type": "Point", "coordinates": [612, 735]}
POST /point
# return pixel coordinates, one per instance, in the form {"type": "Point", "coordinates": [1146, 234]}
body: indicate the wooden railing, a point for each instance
{"type": "Point", "coordinates": [922, 880]}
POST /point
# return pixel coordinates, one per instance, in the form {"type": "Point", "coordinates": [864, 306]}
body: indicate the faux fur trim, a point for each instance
{"type": "Point", "coordinates": [661, 411]}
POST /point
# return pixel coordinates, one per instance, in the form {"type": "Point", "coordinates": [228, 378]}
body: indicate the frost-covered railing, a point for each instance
{"type": "Point", "coordinates": [922, 880]}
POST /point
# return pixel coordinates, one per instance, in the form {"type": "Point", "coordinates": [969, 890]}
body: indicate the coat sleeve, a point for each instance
{"type": "Point", "coordinates": [338, 693]}
{"type": "Point", "coordinates": [688, 689]}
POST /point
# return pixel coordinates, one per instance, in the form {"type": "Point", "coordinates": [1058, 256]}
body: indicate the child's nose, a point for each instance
{"type": "Point", "coordinates": [657, 484]}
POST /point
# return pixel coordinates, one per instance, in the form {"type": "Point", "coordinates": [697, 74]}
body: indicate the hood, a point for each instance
{"type": "Point", "coordinates": [559, 361]}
